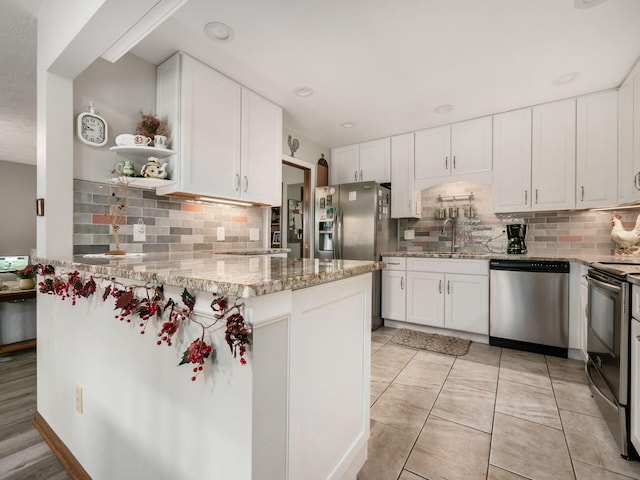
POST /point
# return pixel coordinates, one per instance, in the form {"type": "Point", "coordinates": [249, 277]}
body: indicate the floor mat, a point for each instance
{"type": "Point", "coordinates": [431, 342]}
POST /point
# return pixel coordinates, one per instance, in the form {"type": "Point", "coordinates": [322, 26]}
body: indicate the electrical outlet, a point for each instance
{"type": "Point", "coordinates": [220, 233]}
{"type": "Point", "coordinates": [79, 399]}
{"type": "Point", "coordinates": [139, 232]}
{"type": "Point", "coordinates": [254, 234]}
{"type": "Point", "coordinates": [409, 234]}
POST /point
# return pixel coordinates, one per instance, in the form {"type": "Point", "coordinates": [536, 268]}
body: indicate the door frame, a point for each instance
{"type": "Point", "coordinates": [310, 179]}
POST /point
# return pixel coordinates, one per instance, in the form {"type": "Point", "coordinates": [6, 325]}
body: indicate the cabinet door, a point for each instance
{"type": "Point", "coordinates": [635, 383]}
{"type": "Point", "coordinates": [425, 298]}
{"type": "Point", "coordinates": [597, 150]}
{"type": "Point", "coordinates": [345, 164]}
{"type": "Point", "coordinates": [467, 303]}
{"type": "Point", "coordinates": [471, 146]}
{"type": "Point", "coordinates": [375, 161]}
{"type": "Point", "coordinates": [261, 166]}
{"type": "Point", "coordinates": [394, 298]}
{"type": "Point", "coordinates": [553, 155]}
{"type": "Point", "coordinates": [403, 203]}
{"type": "Point", "coordinates": [512, 161]}
{"type": "Point", "coordinates": [628, 166]}
{"type": "Point", "coordinates": [210, 131]}
{"type": "Point", "coordinates": [432, 152]}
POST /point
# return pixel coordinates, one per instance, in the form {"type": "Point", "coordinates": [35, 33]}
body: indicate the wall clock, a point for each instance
{"type": "Point", "coordinates": [92, 129]}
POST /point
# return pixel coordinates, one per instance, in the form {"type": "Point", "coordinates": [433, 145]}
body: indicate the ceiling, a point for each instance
{"type": "Point", "coordinates": [383, 65]}
{"type": "Point", "coordinates": [18, 80]}
{"type": "Point", "coordinates": [386, 65]}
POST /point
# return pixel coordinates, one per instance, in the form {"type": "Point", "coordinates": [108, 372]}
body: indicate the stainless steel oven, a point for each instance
{"type": "Point", "coordinates": [608, 348]}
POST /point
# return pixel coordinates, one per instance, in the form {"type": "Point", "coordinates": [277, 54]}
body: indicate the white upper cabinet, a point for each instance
{"type": "Point", "coordinates": [597, 150]}
{"type": "Point", "coordinates": [553, 156]}
{"type": "Point", "coordinates": [261, 152]}
{"type": "Point", "coordinates": [512, 161]}
{"type": "Point", "coordinates": [471, 146]}
{"type": "Point", "coordinates": [345, 164]}
{"type": "Point", "coordinates": [213, 119]}
{"type": "Point", "coordinates": [369, 161]}
{"type": "Point", "coordinates": [629, 139]}
{"type": "Point", "coordinates": [375, 161]}
{"type": "Point", "coordinates": [433, 152]}
{"type": "Point", "coordinates": [405, 201]}
{"type": "Point", "coordinates": [458, 149]}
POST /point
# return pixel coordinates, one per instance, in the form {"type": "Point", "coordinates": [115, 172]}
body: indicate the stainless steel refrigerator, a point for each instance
{"type": "Point", "coordinates": [353, 222]}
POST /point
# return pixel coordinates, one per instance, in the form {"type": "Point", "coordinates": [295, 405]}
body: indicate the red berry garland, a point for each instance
{"type": "Point", "coordinates": [237, 333]}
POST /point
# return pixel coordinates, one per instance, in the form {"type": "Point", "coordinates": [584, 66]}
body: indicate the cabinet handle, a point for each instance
{"type": "Point", "coordinates": [636, 183]}
{"type": "Point", "coordinates": [246, 183]}
{"type": "Point", "coordinates": [236, 182]}
{"type": "Point", "coordinates": [526, 197]}
{"type": "Point", "coordinates": [449, 287]}
{"type": "Point", "coordinates": [401, 283]}
{"type": "Point", "coordinates": [355, 175]}
{"type": "Point", "coordinates": [360, 175]}
{"type": "Point", "coordinates": [536, 195]}
{"type": "Point", "coordinates": [582, 193]}
{"type": "Point", "coordinates": [446, 163]}
{"type": "Point", "coordinates": [454, 162]}
{"type": "Point", "coordinates": [440, 286]}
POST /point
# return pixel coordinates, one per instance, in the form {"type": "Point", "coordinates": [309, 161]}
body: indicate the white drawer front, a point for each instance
{"type": "Point", "coordinates": [395, 263]}
{"type": "Point", "coordinates": [449, 265]}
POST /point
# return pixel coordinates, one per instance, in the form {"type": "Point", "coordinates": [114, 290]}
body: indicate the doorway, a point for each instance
{"type": "Point", "coordinates": [295, 214]}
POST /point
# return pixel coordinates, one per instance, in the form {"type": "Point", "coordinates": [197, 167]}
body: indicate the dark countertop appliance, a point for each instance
{"type": "Point", "coordinates": [516, 233]}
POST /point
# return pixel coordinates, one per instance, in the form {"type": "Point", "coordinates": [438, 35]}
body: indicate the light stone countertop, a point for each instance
{"type": "Point", "coordinates": [234, 275]}
{"type": "Point", "coordinates": [585, 259]}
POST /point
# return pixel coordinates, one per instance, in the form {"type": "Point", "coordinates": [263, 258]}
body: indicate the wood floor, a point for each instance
{"type": "Point", "coordinates": [23, 453]}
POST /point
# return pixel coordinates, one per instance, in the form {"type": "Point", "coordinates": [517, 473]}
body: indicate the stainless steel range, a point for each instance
{"type": "Point", "coordinates": [609, 314]}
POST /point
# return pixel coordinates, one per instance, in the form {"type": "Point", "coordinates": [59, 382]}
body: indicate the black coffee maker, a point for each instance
{"type": "Point", "coordinates": [516, 232]}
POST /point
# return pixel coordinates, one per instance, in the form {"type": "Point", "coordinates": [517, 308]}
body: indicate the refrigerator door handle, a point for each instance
{"type": "Point", "coordinates": [337, 244]}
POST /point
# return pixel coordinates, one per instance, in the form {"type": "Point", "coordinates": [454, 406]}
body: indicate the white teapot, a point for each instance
{"type": "Point", "coordinates": [153, 169]}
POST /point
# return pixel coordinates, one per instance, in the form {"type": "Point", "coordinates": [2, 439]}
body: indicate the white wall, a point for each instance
{"type": "Point", "coordinates": [118, 91]}
{"type": "Point", "coordinates": [308, 150]}
{"type": "Point", "coordinates": [17, 208]}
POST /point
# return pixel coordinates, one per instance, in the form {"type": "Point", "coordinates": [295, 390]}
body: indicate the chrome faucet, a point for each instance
{"type": "Point", "coordinates": [453, 232]}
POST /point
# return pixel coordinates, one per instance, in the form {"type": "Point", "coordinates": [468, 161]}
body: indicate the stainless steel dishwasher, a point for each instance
{"type": "Point", "coordinates": [529, 305]}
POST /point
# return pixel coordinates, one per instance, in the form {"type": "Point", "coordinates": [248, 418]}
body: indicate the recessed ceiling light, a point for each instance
{"type": "Point", "coordinates": [303, 91]}
{"type": "Point", "coordinates": [348, 124]}
{"type": "Point", "coordinates": [587, 3]}
{"type": "Point", "coordinates": [443, 108]}
{"type": "Point", "coordinates": [219, 32]}
{"type": "Point", "coordinates": [566, 78]}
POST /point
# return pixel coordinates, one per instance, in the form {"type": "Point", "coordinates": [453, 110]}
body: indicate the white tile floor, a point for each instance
{"type": "Point", "coordinates": [494, 413]}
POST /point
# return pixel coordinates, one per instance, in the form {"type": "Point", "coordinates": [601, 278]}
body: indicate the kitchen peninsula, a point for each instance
{"type": "Point", "coordinates": [299, 408]}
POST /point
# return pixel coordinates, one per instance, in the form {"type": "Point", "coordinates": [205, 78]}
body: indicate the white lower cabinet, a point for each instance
{"type": "Point", "coordinates": [394, 289]}
{"type": "Point", "coordinates": [635, 383]}
{"type": "Point", "coordinates": [451, 294]}
{"type": "Point", "coordinates": [425, 298]}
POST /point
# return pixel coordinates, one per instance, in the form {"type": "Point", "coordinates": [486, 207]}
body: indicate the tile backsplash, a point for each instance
{"type": "Point", "coordinates": [172, 224]}
{"type": "Point", "coordinates": [561, 232]}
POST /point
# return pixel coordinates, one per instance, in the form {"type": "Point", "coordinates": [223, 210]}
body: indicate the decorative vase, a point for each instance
{"type": "Point", "coordinates": [27, 283]}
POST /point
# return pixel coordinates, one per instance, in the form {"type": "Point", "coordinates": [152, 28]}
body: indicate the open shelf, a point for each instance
{"type": "Point", "coordinates": [142, 182]}
{"type": "Point", "coordinates": [143, 153]}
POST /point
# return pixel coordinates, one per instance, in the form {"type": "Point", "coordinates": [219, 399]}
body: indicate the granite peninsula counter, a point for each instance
{"type": "Point", "coordinates": [298, 408]}
{"type": "Point", "coordinates": [238, 275]}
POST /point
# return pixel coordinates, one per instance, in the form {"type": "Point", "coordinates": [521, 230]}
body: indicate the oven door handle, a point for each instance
{"type": "Point", "coordinates": [603, 285]}
{"type": "Point", "coordinates": [595, 387]}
